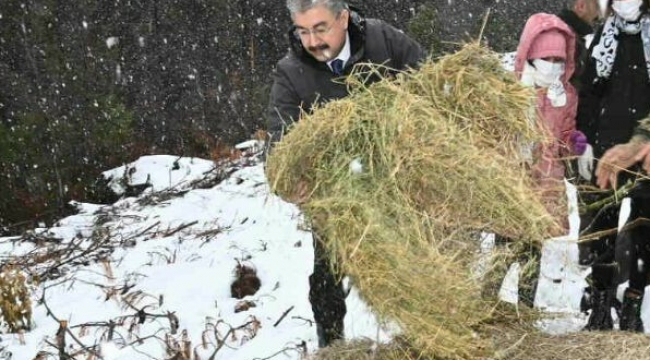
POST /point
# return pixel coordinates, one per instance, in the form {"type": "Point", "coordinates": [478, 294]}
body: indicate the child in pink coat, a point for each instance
{"type": "Point", "coordinates": [545, 60]}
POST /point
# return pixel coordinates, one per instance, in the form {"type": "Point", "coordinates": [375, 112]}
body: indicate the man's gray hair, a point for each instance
{"type": "Point", "coordinates": [299, 6]}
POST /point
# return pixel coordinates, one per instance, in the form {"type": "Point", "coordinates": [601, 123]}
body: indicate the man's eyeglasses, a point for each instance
{"type": "Point", "coordinates": [318, 31]}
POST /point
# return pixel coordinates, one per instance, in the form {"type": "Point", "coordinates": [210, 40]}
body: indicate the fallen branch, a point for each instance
{"type": "Point", "coordinates": [184, 226]}
{"type": "Point", "coordinates": [63, 329]}
{"type": "Point", "coordinates": [286, 312]}
{"type": "Point", "coordinates": [146, 230]}
{"type": "Point", "coordinates": [221, 343]}
{"type": "Point", "coordinates": [301, 348]}
{"type": "Point", "coordinates": [599, 234]}
{"type": "Point", "coordinates": [618, 194]}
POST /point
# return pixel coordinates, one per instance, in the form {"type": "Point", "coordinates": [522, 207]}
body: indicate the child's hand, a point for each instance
{"type": "Point", "coordinates": [578, 142]}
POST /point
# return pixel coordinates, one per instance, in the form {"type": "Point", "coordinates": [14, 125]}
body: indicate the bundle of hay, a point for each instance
{"type": "Point", "coordinates": [368, 350]}
{"type": "Point", "coordinates": [399, 177]}
{"type": "Point", "coordinates": [523, 343]}
{"type": "Point", "coordinates": [516, 343]}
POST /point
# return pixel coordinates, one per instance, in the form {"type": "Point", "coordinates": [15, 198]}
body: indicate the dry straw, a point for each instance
{"type": "Point", "coordinates": [516, 343]}
{"type": "Point", "coordinates": [524, 343]}
{"type": "Point", "coordinates": [441, 156]}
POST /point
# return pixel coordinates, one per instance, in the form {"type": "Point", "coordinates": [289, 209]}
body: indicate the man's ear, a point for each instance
{"type": "Point", "coordinates": [345, 15]}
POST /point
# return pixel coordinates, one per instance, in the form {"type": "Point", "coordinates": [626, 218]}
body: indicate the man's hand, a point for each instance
{"type": "Point", "coordinates": [644, 156]}
{"type": "Point", "coordinates": [620, 157]}
{"type": "Point", "coordinates": [300, 194]}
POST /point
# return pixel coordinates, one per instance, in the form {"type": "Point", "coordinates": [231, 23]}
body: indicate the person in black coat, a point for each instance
{"type": "Point", "coordinates": [326, 40]}
{"type": "Point", "coordinates": [614, 97]}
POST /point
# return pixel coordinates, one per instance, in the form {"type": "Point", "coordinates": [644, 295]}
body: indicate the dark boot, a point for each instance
{"type": "Point", "coordinates": [333, 332]}
{"type": "Point", "coordinates": [328, 304]}
{"type": "Point", "coordinates": [585, 301]}
{"type": "Point", "coordinates": [631, 311]}
{"type": "Point", "coordinates": [601, 310]}
{"type": "Point", "coordinates": [327, 298]}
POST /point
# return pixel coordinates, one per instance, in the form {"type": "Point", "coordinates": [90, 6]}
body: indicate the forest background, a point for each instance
{"type": "Point", "coordinates": [87, 85]}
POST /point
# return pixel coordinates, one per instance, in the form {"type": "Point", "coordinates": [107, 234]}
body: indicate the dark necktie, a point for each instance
{"type": "Point", "coordinates": [337, 67]}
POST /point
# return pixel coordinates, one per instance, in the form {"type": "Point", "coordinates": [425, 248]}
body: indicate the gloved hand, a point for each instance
{"type": "Point", "coordinates": [578, 142]}
{"type": "Point", "coordinates": [586, 163]}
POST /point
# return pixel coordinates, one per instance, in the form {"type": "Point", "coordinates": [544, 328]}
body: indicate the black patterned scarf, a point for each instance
{"type": "Point", "coordinates": [605, 51]}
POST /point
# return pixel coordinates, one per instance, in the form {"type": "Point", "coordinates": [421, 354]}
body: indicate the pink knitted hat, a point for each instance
{"type": "Point", "coordinates": [548, 44]}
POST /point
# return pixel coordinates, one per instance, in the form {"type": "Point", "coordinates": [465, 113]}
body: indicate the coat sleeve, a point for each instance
{"type": "Point", "coordinates": [406, 52]}
{"type": "Point", "coordinates": [284, 105]}
{"type": "Point", "coordinates": [590, 96]}
{"type": "Point", "coordinates": [642, 130]}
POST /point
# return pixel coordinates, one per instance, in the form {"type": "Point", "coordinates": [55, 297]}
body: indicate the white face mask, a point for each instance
{"type": "Point", "coordinates": [628, 10]}
{"type": "Point", "coordinates": [547, 72]}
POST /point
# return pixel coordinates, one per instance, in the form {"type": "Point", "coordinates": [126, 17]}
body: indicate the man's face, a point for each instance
{"type": "Point", "coordinates": [321, 31]}
{"type": "Point", "coordinates": [588, 10]}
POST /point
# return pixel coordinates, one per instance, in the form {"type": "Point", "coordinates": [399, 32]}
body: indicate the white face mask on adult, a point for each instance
{"type": "Point", "coordinates": [628, 10]}
{"type": "Point", "coordinates": [546, 72]}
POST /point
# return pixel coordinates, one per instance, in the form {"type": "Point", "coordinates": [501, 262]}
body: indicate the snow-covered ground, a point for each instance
{"type": "Point", "coordinates": [162, 264]}
{"type": "Point", "coordinates": [180, 247]}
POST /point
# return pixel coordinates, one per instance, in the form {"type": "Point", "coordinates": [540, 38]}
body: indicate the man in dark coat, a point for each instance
{"type": "Point", "coordinates": [326, 40]}
{"type": "Point", "coordinates": [614, 98]}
